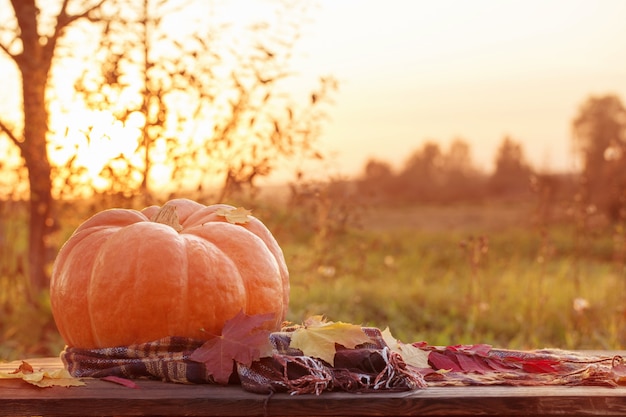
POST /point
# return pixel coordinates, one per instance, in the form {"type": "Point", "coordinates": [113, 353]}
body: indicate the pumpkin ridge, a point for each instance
{"type": "Point", "coordinates": [221, 275]}
{"type": "Point", "coordinates": [112, 218]}
{"type": "Point", "coordinates": [63, 283]}
{"type": "Point", "coordinates": [261, 273]}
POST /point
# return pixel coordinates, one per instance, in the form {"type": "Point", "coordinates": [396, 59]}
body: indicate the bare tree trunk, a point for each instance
{"type": "Point", "coordinates": [35, 155]}
{"type": "Point", "coordinates": [34, 65]}
{"type": "Point", "coordinates": [34, 62]}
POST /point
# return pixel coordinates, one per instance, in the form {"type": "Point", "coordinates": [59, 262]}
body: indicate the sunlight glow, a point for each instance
{"type": "Point", "coordinates": [93, 149]}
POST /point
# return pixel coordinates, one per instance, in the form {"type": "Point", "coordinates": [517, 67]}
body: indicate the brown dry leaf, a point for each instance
{"type": "Point", "coordinates": [317, 338]}
{"type": "Point", "coordinates": [411, 355]}
{"type": "Point", "coordinates": [239, 215]}
{"type": "Point", "coordinates": [42, 377]}
{"type": "Point", "coordinates": [24, 367]}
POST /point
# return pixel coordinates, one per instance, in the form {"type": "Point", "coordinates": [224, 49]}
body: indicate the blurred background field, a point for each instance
{"type": "Point", "coordinates": [498, 272]}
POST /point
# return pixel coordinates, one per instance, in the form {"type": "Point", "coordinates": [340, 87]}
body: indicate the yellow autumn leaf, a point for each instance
{"type": "Point", "coordinates": [317, 338]}
{"type": "Point", "coordinates": [53, 378]}
{"type": "Point", "coordinates": [414, 356]}
{"type": "Point", "coordinates": [237, 215]}
{"type": "Point", "coordinates": [410, 354]}
{"type": "Point", "coordinates": [42, 377]}
{"type": "Point", "coordinates": [391, 341]}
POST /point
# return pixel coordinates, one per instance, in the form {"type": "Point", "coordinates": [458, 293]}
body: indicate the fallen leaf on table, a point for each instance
{"type": "Point", "coordinates": [120, 381]}
{"type": "Point", "coordinates": [412, 355]}
{"type": "Point", "coordinates": [242, 341]}
{"type": "Point", "coordinates": [24, 368]}
{"type": "Point", "coordinates": [317, 338]}
{"type": "Point", "coordinates": [43, 377]}
{"type": "Point", "coordinates": [478, 358]}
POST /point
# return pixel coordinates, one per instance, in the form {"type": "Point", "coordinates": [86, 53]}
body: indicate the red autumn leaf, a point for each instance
{"type": "Point", "coordinates": [242, 341]}
{"type": "Point", "coordinates": [479, 349]}
{"type": "Point", "coordinates": [462, 358]}
{"type": "Point", "coordinates": [120, 381]}
{"type": "Point", "coordinates": [539, 366]}
{"type": "Point", "coordinates": [439, 360]}
{"type": "Point", "coordinates": [498, 364]}
{"type": "Point", "coordinates": [479, 359]}
{"type": "Point", "coordinates": [473, 363]}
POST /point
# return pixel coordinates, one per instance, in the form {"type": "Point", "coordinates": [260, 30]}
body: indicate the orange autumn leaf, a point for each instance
{"type": "Point", "coordinates": [24, 368]}
{"type": "Point", "coordinates": [317, 338]}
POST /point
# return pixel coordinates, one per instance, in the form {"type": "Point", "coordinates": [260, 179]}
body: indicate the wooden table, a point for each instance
{"type": "Point", "coordinates": [101, 398]}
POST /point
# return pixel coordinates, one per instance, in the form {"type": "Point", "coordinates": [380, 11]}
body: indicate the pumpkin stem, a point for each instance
{"type": "Point", "coordinates": [167, 215]}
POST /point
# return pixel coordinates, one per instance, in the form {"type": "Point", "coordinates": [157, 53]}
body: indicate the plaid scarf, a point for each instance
{"type": "Point", "coordinates": [369, 367]}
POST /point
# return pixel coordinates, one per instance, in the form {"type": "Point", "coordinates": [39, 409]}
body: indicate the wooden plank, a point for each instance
{"type": "Point", "coordinates": [157, 398]}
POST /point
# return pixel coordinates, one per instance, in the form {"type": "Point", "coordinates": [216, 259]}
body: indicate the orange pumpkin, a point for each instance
{"type": "Point", "coordinates": [128, 276]}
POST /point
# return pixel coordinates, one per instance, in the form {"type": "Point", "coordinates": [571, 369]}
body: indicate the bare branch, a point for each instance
{"type": "Point", "coordinates": [64, 19]}
{"type": "Point", "coordinates": [4, 128]}
{"type": "Point", "coordinates": [6, 50]}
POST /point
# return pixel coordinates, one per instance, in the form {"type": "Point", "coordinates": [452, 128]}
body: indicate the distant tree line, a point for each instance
{"type": "Point", "coordinates": [435, 175]}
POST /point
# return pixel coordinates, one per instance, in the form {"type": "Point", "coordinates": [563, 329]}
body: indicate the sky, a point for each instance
{"type": "Point", "coordinates": [412, 71]}
{"type": "Point", "coordinates": [416, 70]}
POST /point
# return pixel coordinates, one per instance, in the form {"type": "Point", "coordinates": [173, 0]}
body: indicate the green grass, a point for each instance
{"type": "Point", "coordinates": [448, 275]}
{"type": "Point", "coordinates": [511, 294]}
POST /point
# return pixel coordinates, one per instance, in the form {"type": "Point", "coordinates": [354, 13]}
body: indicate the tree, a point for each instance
{"type": "Point", "coordinates": [378, 181]}
{"type": "Point", "coordinates": [599, 136]}
{"type": "Point", "coordinates": [30, 41]}
{"type": "Point", "coordinates": [422, 176]}
{"type": "Point", "coordinates": [141, 73]}
{"type": "Point", "coordinates": [216, 110]}
{"type": "Point", "coordinates": [458, 158]}
{"type": "Point", "coordinates": [139, 89]}
{"type": "Point", "coordinates": [433, 174]}
{"type": "Point", "coordinates": [512, 173]}
{"type": "Point", "coordinates": [462, 180]}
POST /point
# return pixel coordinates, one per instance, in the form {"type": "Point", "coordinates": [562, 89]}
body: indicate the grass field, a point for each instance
{"type": "Point", "coordinates": [486, 273]}
{"type": "Point", "coordinates": [469, 274]}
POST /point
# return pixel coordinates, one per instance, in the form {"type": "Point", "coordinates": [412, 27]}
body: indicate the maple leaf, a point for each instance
{"type": "Point", "coordinates": [412, 355]}
{"type": "Point", "coordinates": [242, 341]}
{"type": "Point", "coordinates": [317, 338]}
{"type": "Point", "coordinates": [237, 215]}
